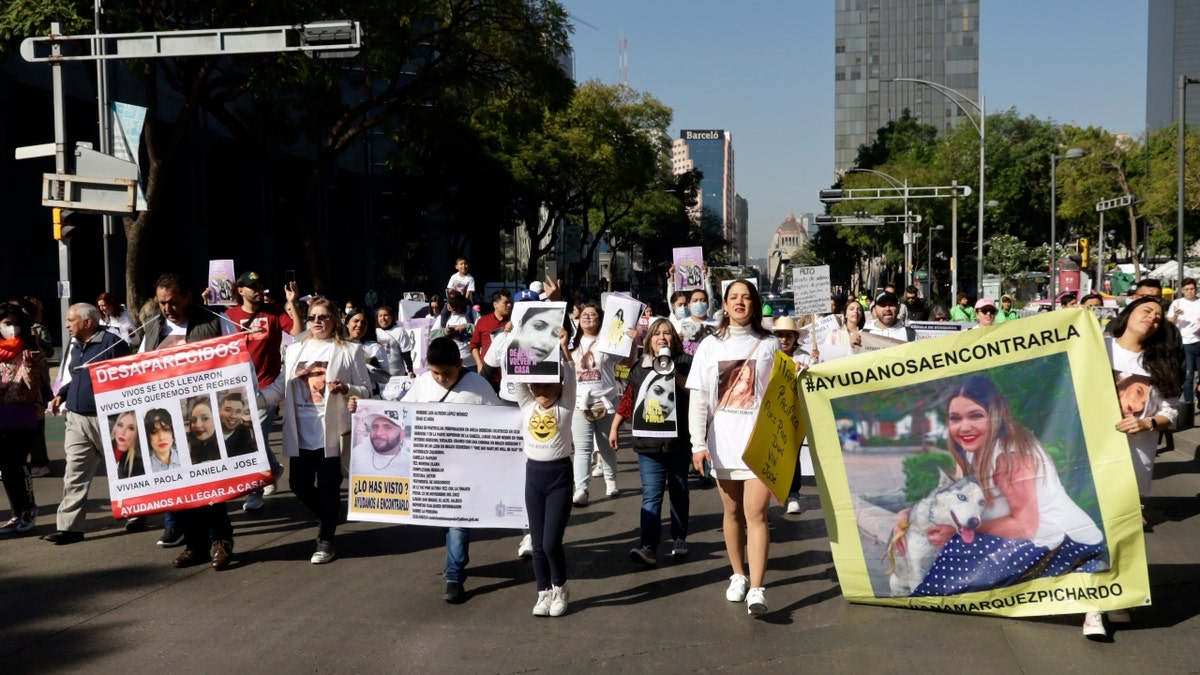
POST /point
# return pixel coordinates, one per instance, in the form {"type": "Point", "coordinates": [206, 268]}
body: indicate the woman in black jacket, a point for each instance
{"type": "Point", "coordinates": [657, 404]}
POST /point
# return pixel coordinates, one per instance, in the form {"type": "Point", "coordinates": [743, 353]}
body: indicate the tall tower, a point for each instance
{"type": "Point", "coordinates": [711, 151]}
{"type": "Point", "coordinates": [1173, 49]}
{"type": "Point", "coordinates": [877, 40]}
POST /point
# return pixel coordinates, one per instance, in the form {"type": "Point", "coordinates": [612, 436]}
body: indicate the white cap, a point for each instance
{"type": "Point", "coordinates": [536, 287]}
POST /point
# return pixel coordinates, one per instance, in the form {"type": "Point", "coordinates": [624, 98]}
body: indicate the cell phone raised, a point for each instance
{"type": "Point", "coordinates": [289, 276]}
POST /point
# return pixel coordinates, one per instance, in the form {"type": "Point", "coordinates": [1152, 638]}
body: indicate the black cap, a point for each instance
{"type": "Point", "coordinates": [248, 279]}
{"type": "Point", "coordinates": [886, 298]}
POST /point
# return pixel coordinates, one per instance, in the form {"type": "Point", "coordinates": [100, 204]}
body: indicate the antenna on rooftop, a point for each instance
{"type": "Point", "coordinates": [623, 59]}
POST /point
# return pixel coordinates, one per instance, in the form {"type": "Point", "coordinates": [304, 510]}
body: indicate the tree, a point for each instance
{"type": "Point", "coordinates": [1007, 256]}
{"type": "Point", "coordinates": [419, 55]}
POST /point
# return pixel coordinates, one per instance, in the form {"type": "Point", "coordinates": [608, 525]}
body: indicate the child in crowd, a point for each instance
{"type": "Point", "coordinates": [447, 381]}
{"type": "Point", "coordinates": [549, 478]}
{"type": "Point", "coordinates": [461, 281]}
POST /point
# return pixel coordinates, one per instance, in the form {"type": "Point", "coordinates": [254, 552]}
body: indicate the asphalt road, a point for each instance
{"type": "Point", "coordinates": [113, 603]}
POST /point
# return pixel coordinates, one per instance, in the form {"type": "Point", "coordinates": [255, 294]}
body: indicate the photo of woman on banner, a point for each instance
{"type": "Point", "coordinates": [1030, 526]}
{"type": "Point", "coordinates": [654, 412]}
{"type": "Point", "coordinates": [735, 385]}
{"type": "Point", "coordinates": [382, 442]}
{"type": "Point", "coordinates": [202, 429]}
{"type": "Point", "coordinates": [127, 454]}
{"type": "Point", "coordinates": [160, 433]}
{"type": "Point", "coordinates": [533, 345]}
{"type": "Point", "coordinates": [236, 426]}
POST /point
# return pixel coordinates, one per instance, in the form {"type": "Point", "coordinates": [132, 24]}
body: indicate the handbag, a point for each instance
{"type": "Point", "coordinates": [596, 411]}
{"type": "Point", "coordinates": [15, 416]}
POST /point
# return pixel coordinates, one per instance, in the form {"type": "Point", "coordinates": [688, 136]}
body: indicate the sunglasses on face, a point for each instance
{"type": "Point", "coordinates": [987, 310]}
{"type": "Point", "coordinates": [318, 317]}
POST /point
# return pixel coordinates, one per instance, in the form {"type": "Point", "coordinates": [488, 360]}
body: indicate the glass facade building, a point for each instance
{"type": "Point", "coordinates": [878, 40]}
{"type": "Point", "coordinates": [1173, 49]}
{"type": "Point", "coordinates": [711, 152]}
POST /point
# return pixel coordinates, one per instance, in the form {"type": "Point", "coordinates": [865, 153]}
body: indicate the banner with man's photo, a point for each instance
{"type": "Point", "coordinates": [182, 426]}
{"type": "Point", "coordinates": [442, 464]}
{"type": "Point", "coordinates": [980, 472]}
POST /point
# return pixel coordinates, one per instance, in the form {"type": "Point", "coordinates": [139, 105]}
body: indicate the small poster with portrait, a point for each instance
{"type": "Point", "coordinates": [654, 410]}
{"type": "Point", "coordinates": [689, 267]}
{"type": "Point", "coordinates": [621, 313]}
{"type": "Point", "coordinates": [221, 280]}
{"type": "Point", "coordinates": [533, 353]}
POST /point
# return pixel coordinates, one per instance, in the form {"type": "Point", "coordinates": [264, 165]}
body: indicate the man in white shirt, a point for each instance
{"type": "Point", "coordinates": [1184, 312]}
{"type": "Point", "coordinates": [887, 319]}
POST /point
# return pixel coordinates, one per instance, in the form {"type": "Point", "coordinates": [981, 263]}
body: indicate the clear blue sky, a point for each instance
{"type": "Point", "coordinates": [763, 70]}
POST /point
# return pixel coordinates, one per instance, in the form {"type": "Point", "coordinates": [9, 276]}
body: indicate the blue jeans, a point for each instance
{"type": "Point", "coordinates": [587, 435]}
{"type": "Point", "coordinates": [1191, 354]}
{"type": "Point", "coordinates": [458, 553]}
{"type": "Point", "coordinates": [666, 471]}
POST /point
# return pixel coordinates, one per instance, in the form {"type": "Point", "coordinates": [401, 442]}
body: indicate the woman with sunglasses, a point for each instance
{"type": "Point", "coordinates": [985, 312]}
{"type": "Point", "coordinates": [320, 373]}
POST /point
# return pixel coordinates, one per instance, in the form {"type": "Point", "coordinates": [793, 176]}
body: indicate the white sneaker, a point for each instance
{"type": "Point", "coordinates": [558, 600]}
{"type": "Point", "coordinates": [254, 502]}
{"type": "Point", "coordinates": [270, 489]}
{"type": "Point", "coordinates": [1093, 626]}
{"type": "Point", "coordinates": [542, 606]}
{"type": "Point", "coordinates": [793, 505]}
{"type": "Point", "coordinates": [738, 585]}
{"type": "Point", "coordinates": [1119, 616]}
{"type": "Point", "coordinates": [324, 553]}
{"type": "Point", "coordinates": [756, 602]}
{"type": "Point", "coordinates": [598, 470]}
{"type": "Point", "coordinates": [611, 488]}
{"type": "Point", "coordinates": [525, 548]}
{"type": "Point", "coordinates": [580, 498]}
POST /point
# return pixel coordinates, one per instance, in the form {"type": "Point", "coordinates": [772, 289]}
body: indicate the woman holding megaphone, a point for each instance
{"type": "Point", "coordinates": [657, 403]}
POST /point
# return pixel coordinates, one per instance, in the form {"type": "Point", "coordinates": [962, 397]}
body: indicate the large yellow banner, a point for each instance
{"type": "Point", "coordinates": [774, 445]}
{"type": "Point", "coordinates": [980, 472]}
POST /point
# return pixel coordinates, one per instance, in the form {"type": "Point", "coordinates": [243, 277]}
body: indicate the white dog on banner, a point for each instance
{"type": "Point", "coordinates": [958, 504]}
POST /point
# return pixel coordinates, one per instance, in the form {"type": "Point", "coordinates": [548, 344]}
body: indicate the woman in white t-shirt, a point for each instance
{"type": "Point", "coordinates": [731, 364]}
{"type": "Point", "coordinates": [596, 397]}
{"type": "Point", "coordinates": [1185, 314]}
{"type": "Point", "coordinates": [1144, 354]}
{"type": "Point", "coordinates": [319, 373]}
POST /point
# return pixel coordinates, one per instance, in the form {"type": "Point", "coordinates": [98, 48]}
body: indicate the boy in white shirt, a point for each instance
{"type": "Point", "coordinates": [461, 281]}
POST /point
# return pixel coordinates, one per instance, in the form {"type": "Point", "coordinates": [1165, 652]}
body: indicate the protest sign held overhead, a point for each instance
{"type": "Point", "coordinates": [689, 267]}
{"type": "Point", "coordinates": [621, 313]}
{"type": "Point", "coordinates": [811, 289]}
{"type": "Point", "coordinates": [182, 422]}
{"type": "Point", "coordinates": [533, 352]}
{"type": "Point", "coordinates": [221, 279]}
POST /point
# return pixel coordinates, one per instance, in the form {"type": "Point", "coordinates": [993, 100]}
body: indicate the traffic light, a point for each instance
{"type": "Point", "coordinates": [62, 224]}
{"type": "Point", "coordinates": [1084, 248]}
{"type": "Point", "coordinates": [830, 196]}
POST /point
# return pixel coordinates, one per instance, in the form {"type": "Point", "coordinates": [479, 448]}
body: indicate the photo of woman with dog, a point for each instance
{"type": "Point", "coordinates": [1029, 526]}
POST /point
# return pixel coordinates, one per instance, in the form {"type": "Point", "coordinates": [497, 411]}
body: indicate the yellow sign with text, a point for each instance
{"type": "Point", "coordinates": [774, 445]}
{"type": "Point", "coordinates": [962, 473]}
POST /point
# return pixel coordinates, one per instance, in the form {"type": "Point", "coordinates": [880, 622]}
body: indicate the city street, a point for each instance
{"type": "Point", "coordinates": [113, 603]}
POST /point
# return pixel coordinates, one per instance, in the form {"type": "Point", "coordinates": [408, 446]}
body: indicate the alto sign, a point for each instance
{"type": "Point", "coordinates": [702, 134]}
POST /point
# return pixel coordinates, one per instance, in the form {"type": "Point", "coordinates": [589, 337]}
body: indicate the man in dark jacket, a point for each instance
{"type": "Point", "coordinates": [84, 444]}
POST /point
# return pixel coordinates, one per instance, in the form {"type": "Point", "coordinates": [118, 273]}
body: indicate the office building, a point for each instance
{"type": "Point", "coordinates": [1173, 49]}
{"type": "Point", "coordinates": [742, 245]}
{"type": "Point", "coordinates": [878, 40]}
{"type": "Point", "coordinates": [711, 151]}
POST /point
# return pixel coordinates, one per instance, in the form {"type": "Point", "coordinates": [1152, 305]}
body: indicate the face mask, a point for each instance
{"type": "Point", "coordinates": [698, 309]}
{"type": "Point", "coordinates": [9, 332]}
{"type": "Point", "coordinates": [681, 312]}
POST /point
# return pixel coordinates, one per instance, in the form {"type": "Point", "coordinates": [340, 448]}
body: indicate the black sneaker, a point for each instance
{"type": "Point", "coordinates": [63, 537]}
{"type": "Point", "coordinates": [170, 538]}
{"type": "Point", "coordinates": [454, 592]}
{"type": "Point", "coordinates": [135, 524]}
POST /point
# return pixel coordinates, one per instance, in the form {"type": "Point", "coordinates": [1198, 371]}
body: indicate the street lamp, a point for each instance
{"type": "Point", "coordinates": [896, 183]}
{"type": "Point", "coordinates": [929, 259]}
{"type": "Point", "coordinates": [1184, 81]}
{"type": "Point", "coordinates": [1073, 153]}
{"type": "Point", "coordinates": [960, 99]}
